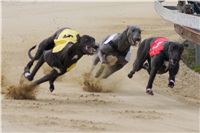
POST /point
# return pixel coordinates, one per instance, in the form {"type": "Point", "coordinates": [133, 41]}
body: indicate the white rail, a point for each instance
{"type": "Point", "coordinates": [176, 17]}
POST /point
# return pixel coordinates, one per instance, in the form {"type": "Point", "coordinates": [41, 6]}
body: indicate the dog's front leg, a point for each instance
{"type": "Point", "coordinates": [138, 65]}
{"type": "Point", "coordinates": [51, 77]}
{"type": "Point", "coordinates": [152, 76]}
{"type": "Point", "coordinates": [102, 57]}
{"type": "Point", "coordinates": [156, 63]}
{"type": "Point", "coordinates": [172, 73]}
{"type": "Point", "coordinates": [95, 62]}
{"type": "Point", "coordinates": [142, 56]}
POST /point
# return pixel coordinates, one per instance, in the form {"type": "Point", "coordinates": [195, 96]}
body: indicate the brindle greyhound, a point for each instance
{"type": "Point", "coordinates": [117, 46]}
{"type": "Point", "coordinates": [60, 51]}
{"type": "Point", "coordinates": [165, 58]}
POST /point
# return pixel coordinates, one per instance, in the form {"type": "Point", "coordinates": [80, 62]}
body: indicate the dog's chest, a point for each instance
{"type": "Point", "coordinates": [74, 58]}
{"type": "Point", "coordinates": [72, 62]}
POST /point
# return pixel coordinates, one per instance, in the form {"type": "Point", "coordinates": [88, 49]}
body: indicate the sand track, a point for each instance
{"type": "Point", "coordinates": [125, 107]}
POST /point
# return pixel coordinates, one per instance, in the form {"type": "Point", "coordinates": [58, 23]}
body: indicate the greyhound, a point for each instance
{"type": "Point", "coordinates": [46, 44]}
{"type": "Point", "coordinates": [60, 51]}
{"type": "Point", "coordinates": [162, 56]}
{"type": "Point", "coordinates": [114, 51]}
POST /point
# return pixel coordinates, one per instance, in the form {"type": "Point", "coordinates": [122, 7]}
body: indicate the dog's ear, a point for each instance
{"type": "Point", "coordinates": [86, 39]}
{"type": "Point", "coordinates": [78, 38]}
{"type": "Point", "coordinates": [128, 30]}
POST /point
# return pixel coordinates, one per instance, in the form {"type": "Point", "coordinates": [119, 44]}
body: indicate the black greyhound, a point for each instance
{"type": "Point", "coordinates": [162, 56]}
{"type": "Point", "coordinates": [60, 51]}
{"type": "Point", "coordinates": [46, 44]}
{"type": "Point", "coordinates": [116, 46]}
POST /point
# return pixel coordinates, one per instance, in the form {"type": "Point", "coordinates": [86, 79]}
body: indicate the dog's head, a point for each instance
{"type": "Point", "coordinates": [175, 51]}
{"type": "Point", "coordinates": [88, 45]}
{"type": "Point", "coordinates": [134, 35]}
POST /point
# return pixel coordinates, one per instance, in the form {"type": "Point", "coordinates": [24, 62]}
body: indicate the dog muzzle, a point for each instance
{"type": "Point", "coordinates": [90, 50]}
{"type": "Point", "coordinates": [135, 42]}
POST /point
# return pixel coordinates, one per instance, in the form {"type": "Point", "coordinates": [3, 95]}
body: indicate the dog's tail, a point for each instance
{"type": "Point", "coordinates": [29, 52]}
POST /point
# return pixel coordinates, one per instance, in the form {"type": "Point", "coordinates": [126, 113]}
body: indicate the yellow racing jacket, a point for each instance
{"type": "Point", "coordinates": [63, 39]}
{"type": "Point", "coordinates": [66, 36]}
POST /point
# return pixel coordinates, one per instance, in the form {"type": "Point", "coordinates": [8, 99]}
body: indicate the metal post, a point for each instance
{"type": "Point", "coordinates": [197, 55]}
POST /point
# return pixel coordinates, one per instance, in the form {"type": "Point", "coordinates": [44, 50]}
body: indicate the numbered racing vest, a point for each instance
{"type": "Point", "coordinates": [109, 40]}
{"type": "Point", "coordinates": [66, 36]}
{"type": "Point", "coordinates": [157, 46]}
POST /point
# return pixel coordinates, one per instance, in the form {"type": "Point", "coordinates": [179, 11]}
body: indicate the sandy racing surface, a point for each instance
{"type": "Point", "coordinates": [123, 106]}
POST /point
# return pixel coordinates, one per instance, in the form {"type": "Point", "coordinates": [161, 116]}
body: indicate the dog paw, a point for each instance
{"type": "Point", "coordinates": [171, 84]}
{"type": "Point", "coordinates": [28, 76]}
{"type": "Point", "coordinates": [51, 88]}
{"type": "Point", "coordinates": [130, 75]}
{"type": "Point", "coordinates": [149, 91]}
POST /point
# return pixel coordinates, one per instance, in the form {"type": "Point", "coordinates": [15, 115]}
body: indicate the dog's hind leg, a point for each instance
{"type": "Point", "coordinates": [149, 89]}
{"type": "Point", "coordinates": [46, 44]}
{"type": "Point", "coordinates": [55, 74]}
{"type": "Point", "coordinates": [111, 70]}
{"type": "Point", "coordinates": [28, 66]}
{"type": "Point", "coordinates": [35, 69]}
{"type": "Point", "coordinates": [33, 59]}
{"type": "Point", "coordinates": [172, 74]}
{"type": "Point", "coordinates": [155, 66]}
{"type": "Point", "coordinates": [36, 57]}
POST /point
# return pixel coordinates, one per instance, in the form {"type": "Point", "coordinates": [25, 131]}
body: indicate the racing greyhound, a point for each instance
{"type": "Point", "coordinates": [60, 51]}
{"type": "Point", "coordinates": [162, 56]}
{"type": "Point", "coordinates": [114, 52]}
